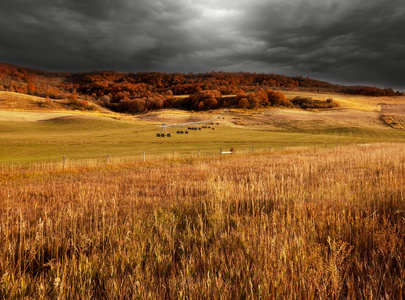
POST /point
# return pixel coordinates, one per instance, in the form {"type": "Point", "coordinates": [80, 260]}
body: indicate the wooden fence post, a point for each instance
{"type": "Point", "coordinates": [220, 151]}
{"type": "Point", "coordinates": [64, 162]}
{"type": "Point", "coordinates": [144, 158]}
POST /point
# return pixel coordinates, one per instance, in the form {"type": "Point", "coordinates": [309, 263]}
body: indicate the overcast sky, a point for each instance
{"type": "Point", "coordinates": [341, 41]}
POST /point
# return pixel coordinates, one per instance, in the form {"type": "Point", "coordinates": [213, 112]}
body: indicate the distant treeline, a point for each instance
{"type": "Point", "coordinates": [139, 92]}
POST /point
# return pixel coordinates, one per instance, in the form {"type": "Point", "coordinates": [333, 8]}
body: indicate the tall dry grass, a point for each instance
{"type": "Point", "coordinates": [325, 224]}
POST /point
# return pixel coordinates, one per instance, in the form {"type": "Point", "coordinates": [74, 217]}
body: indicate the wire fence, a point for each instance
{"type": "Point", "coordinates": [65, 163]}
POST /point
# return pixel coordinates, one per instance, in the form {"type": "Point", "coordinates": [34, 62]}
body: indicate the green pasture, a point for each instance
{"type": "Point", "coordinates": [82, 138]}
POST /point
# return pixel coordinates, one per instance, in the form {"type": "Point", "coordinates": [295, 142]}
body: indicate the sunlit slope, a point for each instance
{"type": "Point", "coordinates": [18, 101]}
{"type": "Point", "coordinates": [10, 101]}
{"type": "Point", "coordinates": [365, 103]}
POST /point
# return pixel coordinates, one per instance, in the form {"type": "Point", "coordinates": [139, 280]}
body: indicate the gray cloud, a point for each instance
{"type": "Point", "coordinates": [352, 42]}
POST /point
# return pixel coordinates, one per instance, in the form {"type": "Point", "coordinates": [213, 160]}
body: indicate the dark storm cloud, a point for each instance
{"type": "Point", "coordinates": [356, 40]}
{"type": "Point", "coordinates": [342, 41]}
{"type": "Point", "coordinates": [78, 35]}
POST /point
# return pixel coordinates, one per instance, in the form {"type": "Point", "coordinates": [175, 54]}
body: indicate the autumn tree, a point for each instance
{"type": "Point", "coordinates": [105, 99]}
{"type": "Point", "coordinates": [30, 88]}
{"type": "Point", "coordinates": [49, 102]}
{"type": "Point", "coordinates": [72, 98]}
{"type": "Point", "coordinates": [201, 105]}
{"type": "Point", "coordinates": [240, 94]}
{"type": "Point", "coordinates": [277, 98]}
{"type": "Point", "coordinates": [210, 98]}
{"type": "Point", "coordinates": [132, 106]}
{"type": "Point", "coordinates": [210, 103]}
{"type": "Point", "coordinates": [254, 102]}
{"type": "Point", "coordinates": [77, 103]}
{"type": "Point", "coordinates": [243, 103]}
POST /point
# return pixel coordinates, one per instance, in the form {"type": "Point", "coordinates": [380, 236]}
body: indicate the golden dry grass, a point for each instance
{"type": "Point", "coordinates": [365, 103]}
{"type": "Point", "coordinates": [17, 101]}
{"type": "Point", "coordinates": [323, 224]}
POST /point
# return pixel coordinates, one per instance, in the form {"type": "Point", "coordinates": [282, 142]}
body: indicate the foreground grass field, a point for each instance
{"type": "Point", "coordinates": [324, 224]}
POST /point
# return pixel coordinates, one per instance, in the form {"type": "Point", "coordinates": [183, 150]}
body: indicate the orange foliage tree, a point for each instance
{"type": "Point", "coordinates": [30, 88]}
{"type": "Point", "coordinates": [243, 103]}
{"type": "Point", "coordinates": [210, 99]}
{"type": "Point", "coordinates": [277, 98]}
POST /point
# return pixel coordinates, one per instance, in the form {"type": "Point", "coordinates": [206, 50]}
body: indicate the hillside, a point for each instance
{"type": "Point", "coordinates": [47, 127]}
{"type": "Point", "coordinates": [20, 101]}
{"type": "Point", "coordinates": [28, 103]}
{"type": "Point", "coordinates": [357, 111]}
{"type": "Point", "coordinates": [146, 91]}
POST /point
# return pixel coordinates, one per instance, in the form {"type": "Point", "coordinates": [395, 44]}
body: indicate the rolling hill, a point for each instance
{"type": "Point", "coordinates": [45, 115]}
{"type": "Point", "coordinates": [32, 132]}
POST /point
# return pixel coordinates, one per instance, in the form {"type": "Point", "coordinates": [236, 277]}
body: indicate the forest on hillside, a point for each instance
{"type": "Point", "coordinates": [144, 91]}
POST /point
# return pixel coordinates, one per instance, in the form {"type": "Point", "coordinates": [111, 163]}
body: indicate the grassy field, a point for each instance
{"type": "Point", "coordinates": [327, 224]}
{"type": "Point", "coordinates": [83, 137]}
{"type": "Point", "coordinates": [317, 211]}
{"type": "Point", "coordinates": [33, 137]}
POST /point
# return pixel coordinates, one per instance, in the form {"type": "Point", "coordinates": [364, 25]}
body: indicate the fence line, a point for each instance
{"type": "Point", "coordinates": [68, 164]}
